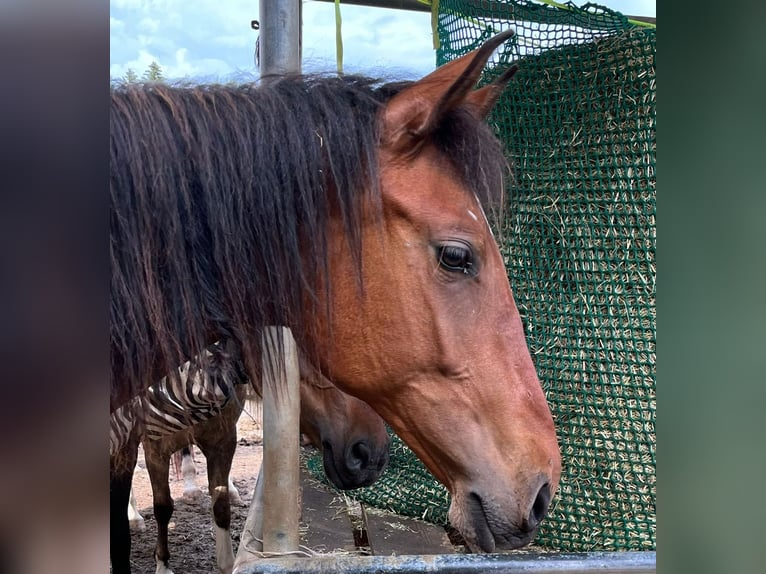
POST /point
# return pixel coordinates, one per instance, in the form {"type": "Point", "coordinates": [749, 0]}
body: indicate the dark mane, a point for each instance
{"type": "Point", "coordinates": [220, 199]}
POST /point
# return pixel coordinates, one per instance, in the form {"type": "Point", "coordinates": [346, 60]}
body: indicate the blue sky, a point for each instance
{"type": "Point", "coordinates": [211, 40]}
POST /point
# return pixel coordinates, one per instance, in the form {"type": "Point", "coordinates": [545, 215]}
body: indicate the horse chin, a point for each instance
{"type": "Point", "coordinates": [481, 531]}
{"type": "Point", "coordinates": [330, 470]}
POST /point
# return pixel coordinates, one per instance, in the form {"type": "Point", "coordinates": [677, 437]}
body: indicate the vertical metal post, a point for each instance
{"type": "Point", "coordinates": [280, 37]}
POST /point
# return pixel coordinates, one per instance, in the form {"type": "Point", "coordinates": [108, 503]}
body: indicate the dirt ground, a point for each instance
{"type": "Point", "coordinates": [191, 537]}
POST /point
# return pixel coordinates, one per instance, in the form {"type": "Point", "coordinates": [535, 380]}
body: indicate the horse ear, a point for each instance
{"type": "Point", "coordinates": [417, 110]}
{"type": "Point", "coordinates": [482, 101]}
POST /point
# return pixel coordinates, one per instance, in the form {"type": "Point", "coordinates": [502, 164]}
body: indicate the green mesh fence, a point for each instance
{"type": "Point", "coordinates": [579, 237]}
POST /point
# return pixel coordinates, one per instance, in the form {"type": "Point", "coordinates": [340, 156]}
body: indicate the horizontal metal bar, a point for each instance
{"type": "Point", "coordinates": [548, 563]}
{"type": "Point", "coordinates": [417, 6]}
{"type": "Point", "coordinates": [412, 5]}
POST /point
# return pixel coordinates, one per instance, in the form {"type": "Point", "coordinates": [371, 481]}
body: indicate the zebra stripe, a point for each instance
{"type": "Point", "coordinates": [177, 402]}
{"type": "Point", "coordinates": [121, 425]}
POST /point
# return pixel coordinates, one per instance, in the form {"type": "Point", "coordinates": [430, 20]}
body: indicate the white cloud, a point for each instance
{"type": "Point", "coordinates": [209, 69]}
{"type": "Point", "coordinates": [149, 25]}
{"type": "Point", "coordinates": [235, 41]}
{"type": "Point", "coordinates": [128, 4]}
{"type": "Point", "coordinates": [375, 41]}
{"type": "Point", "coordinates": [632, 7]}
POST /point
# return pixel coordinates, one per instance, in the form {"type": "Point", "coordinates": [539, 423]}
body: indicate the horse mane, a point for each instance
{"type": "Point", "coordinates": [220, 201]}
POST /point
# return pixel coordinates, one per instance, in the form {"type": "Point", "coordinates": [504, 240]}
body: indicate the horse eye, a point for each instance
{"type": "Point", "coordinates": [456, 258]}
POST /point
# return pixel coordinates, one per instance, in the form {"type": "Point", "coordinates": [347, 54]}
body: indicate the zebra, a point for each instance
{"type": "Point", "coordinates": [203, 406]}
{"type": "Point", "coordinates": [194, 405]}
{"type": "Point", "coordinates": [177, 402]}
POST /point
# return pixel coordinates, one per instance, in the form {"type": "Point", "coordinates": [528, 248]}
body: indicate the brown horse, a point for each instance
{"type": "Point", "coordinates": [353, 213]}
{"type": "Point", "coordinates": [351, 436]}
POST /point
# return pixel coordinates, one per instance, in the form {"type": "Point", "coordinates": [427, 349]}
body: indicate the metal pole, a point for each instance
{"type": "Point", "coordinates": [411, 5]}
{"type": "Point", "coordinates": [280, 37]}
{"type": "Point", "coordinates": [486, 5]}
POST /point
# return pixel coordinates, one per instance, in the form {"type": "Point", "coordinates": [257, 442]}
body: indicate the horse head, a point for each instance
{"type": "Point", "coordinates": [433, 340]}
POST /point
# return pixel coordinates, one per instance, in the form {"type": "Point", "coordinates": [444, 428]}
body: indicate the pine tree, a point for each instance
{"type": "Point", "coordinates": [131, 76]}
{"type": "Point", "coordinates": [154, 73]}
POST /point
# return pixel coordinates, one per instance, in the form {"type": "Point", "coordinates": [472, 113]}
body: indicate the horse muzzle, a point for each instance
{"type": "Point", "coordinates": [488, 526]}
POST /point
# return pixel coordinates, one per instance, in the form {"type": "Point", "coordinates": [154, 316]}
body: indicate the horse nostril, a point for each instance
{"type": "Point", "coordinates": [539, 508]}
{"type": "Point", "coordinates": [358, 456]}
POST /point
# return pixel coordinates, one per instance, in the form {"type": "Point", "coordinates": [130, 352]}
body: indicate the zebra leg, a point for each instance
{"type": "Point", "coordinates": [119, 526]}
{"type": "Point", "coordinates": [158, 465]}
{"type": "Point", "coordinates": [218, 443]}
{"type": "Point", "coordinates": [120, 478]}
{"type": "Point", "coordinates": [234, 496]}
{"type": "Point", "coordinates": [192, 492]}
{"type": "Point", "coordinates": [135, 519]}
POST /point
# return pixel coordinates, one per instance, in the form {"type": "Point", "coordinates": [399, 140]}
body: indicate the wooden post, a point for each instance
{"type": "Point", "coordinates": [281, 443]}
{"type": "Point", "coordinates": [275, 510]}
{"type": "Point", "coordinates": [251, 541]}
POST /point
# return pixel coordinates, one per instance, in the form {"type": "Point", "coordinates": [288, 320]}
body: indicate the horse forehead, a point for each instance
{"type": "Point", "coordinates": [428, 186]}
